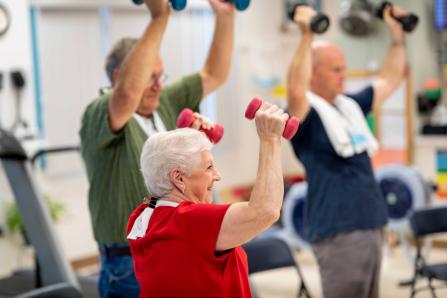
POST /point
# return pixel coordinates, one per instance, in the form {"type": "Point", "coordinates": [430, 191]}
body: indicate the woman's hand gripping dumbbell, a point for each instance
{"type": "Point", "coordinates": [181, 4]}
{"type": "Point", "coordinates": [290, 128]}
{"type": "Point", "coordinates": [187, 118]}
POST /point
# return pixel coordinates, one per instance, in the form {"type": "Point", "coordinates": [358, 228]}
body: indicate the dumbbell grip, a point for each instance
{"type": "Point", "coordinates": [290, 128]}
{"type": "Point", "coordinates": [408, 21]}
{"type": "Point", "coordinates": [319, 24]}
{"type": "Point", "coordinates": [214, 134]}
{"type": "Point", "coordinates": [186, 118]}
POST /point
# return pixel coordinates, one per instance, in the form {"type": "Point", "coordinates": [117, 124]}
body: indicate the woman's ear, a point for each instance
{"type": "Point", "coordinates": [176, 177]}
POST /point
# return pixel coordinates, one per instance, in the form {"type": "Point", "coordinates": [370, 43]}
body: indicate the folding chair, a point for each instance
{"type": "Point", "coordinates": [426, 222]}
{"type": "Point", "coordinates": [272, 253]}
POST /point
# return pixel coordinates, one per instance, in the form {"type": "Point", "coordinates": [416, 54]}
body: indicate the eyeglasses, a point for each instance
{"type": "Point", "coordinates": [160, 79]}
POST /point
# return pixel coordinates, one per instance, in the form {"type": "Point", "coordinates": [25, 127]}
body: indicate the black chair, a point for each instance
{"type": "Point", "coordinates": [426, 222]}
{"type": "Point", "coordinates": [272, 253]}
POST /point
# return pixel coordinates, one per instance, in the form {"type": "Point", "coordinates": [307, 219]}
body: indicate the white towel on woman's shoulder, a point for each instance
{"type": "Point", "coordinates": [141, 223]}
{"type": "Point", "coordinates": [345, 125]}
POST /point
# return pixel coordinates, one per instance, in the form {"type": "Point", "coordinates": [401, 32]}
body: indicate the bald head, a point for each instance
{"type": "Point", "coordinates": [328, 70]}
{"type": "Point", "coordinates": [324, 51]}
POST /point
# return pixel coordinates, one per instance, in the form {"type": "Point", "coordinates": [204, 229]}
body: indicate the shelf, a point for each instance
{"type": "Point", "coordinates": [431, 141]}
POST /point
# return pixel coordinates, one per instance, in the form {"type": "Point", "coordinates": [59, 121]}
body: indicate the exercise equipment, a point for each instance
{"type": "Point", "coordinates": [440, 16]}
{"type": "Point", "coordinates": [404, 192]}
{"type": "Point", "coordinates": [181, 4]}
{"type": "Point", "coordinates": [402, 187]}
{"type": "Point", "coordinates": [408, 21]}
{"type": "Point", "coordinates": [18, 83]}
{"type": "Point", "coordinates": [319, 23]}
{"type": "Point", "coordinates": [357, 17]}
{"type": "Point", "coordinates": [292, 123]}
{"type": "Point", "coordinates": [186, 118]}
{"type": "Point", "coordinates": [292, 217]}
{"type": "Point", "coordinates": [58, 280]}
{"type": "Point", "coordinates": [52, 276]}
{"type": "Point", "coordinates": [52, 150]}
{"type": "Point", "coordinates": [5, 19]}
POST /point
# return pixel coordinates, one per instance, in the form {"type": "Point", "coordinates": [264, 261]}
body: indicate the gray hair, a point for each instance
{"type": "Point", "coordinates": [117, 54]}
{"type": "Point", "coordinates": [167, 151]}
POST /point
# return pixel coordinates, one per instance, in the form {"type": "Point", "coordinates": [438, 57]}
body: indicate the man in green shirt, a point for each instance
{"type": "Point", "coordinates": [116, 124]}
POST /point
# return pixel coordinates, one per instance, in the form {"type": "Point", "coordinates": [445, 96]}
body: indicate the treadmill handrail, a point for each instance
{"type": "Point", "coordinates": [61, 149]}
{"type": "Point", "coordinates": [64, 289]}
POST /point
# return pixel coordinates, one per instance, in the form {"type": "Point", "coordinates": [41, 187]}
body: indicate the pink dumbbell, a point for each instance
{"type": "Point", "coordinates": [291, 124]}
{"type": "Point", "coordinates": [187, 118]}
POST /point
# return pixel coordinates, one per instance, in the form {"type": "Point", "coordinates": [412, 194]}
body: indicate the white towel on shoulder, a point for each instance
{"type": "Point", "coordinates": [141, 224]}
{"type": "Point", "coordinates": [345, 125]}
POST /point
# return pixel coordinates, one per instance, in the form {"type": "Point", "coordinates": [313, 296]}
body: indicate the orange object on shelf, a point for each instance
{"type": "Point", "coordinates": [389, 156]}
{"type": "Point", "coordinates": [431, 84]}
{"type": "Point", "coordinates": [442, 193]}
{"type": "Point", "coordinates": [442, 185]}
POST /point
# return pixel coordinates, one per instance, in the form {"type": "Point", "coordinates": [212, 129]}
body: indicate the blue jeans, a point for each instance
{"type": "Point", "coordinates": [117, 277]}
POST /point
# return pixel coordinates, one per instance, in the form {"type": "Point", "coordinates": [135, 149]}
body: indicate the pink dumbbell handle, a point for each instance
{"type": "Point", "coordinates": [292, 123]}
{"type": "Point", "coordinates": [186, 119]}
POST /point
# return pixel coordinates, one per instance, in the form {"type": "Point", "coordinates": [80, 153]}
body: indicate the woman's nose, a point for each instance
{"type": "Point", "coordinates": [217, 176]}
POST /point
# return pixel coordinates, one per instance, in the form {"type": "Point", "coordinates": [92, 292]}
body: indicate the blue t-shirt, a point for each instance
{"type": "Point", "coordinates": [342, 195]}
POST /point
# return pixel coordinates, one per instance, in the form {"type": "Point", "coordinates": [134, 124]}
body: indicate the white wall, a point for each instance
{"type": "Point", "coordinates": [259, 48]}
{"type": "Point", "coordinates": [15, 54]}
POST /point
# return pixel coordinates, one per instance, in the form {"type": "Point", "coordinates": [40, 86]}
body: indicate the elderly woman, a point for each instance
{"type": "Point", "coordinates": [182, 245]}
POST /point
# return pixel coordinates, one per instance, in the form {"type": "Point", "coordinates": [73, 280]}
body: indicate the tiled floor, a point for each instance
{"type": "Point", "coordinates": [283, 283]}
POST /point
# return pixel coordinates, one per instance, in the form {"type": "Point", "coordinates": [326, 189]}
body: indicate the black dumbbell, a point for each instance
{"type": "Point", "coordinates": [181, 4]}
{"type": "Point", "coordinates": [408, 21]}
{"type": "Point", "coordinates": [319, 23]}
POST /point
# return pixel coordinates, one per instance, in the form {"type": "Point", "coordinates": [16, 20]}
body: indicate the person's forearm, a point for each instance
{"type": "Point", "coordinates": [139, 63]}
{"type": "Point", "coordinates": [300, 70]}
{"type": "Point", "coordinates": [394, 66]}
{"type": "Point", "coordinates": [267, 194]}
{"type": "Point", "coordinates": [218, 62]}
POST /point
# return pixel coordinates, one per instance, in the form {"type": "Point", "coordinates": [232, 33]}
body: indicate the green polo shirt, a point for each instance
{"type": "Point", "coordinates": [112, 160]}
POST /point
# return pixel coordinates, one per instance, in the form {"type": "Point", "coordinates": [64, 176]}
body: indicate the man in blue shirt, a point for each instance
{"type": "Point", "coordinates": [345, 211]}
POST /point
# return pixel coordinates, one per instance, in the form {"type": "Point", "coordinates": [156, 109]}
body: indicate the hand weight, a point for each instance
{"type": "Point", "coordinates": [292, 123]}
{"type": "Point", "coordinates": [186, 118]}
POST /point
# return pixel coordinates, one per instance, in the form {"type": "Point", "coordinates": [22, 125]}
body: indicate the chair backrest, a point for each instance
{"type": "Point", "coordinates": [268, 253]}
{"type": "Point", "coordinates": [429, 221]}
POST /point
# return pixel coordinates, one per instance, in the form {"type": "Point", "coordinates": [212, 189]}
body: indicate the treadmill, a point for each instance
{"type": "Point", "coordinates": [53, 276]}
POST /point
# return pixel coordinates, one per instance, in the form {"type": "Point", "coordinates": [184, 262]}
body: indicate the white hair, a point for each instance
{"type": "Point", "coordinates": [167, 151]}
